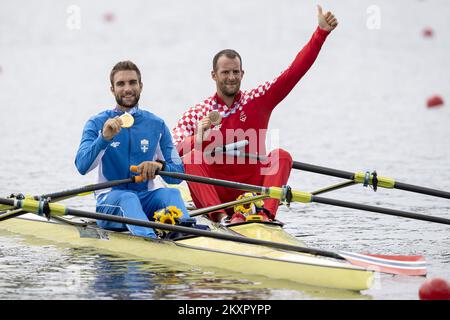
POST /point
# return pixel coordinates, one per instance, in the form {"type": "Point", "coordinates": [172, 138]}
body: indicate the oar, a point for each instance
{"type": "Point", "coordinates": [416, 267]}
{"type": "Point", "coordinates": [57, 209]}
{"type": "Point", "coordinates": [285, 193]}
{"type": "Point", "coordinates": [226, 205]}
{"type": "Point", "coordinates": [62, 195]}
{"type": "Point", "coordinates": [361, 177]}
{"type": "Point", "coordinates": [357, 177]}
{"type": "Point", "coordinates": [57, 196]}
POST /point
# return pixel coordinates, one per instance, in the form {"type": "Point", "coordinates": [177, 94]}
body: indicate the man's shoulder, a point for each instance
{"type": "Point", "coordinates": [102, 116]}
{"type": "Point", "coordinates": [203, 105]}
{"type": "Point", "coordinates": [150, 116]}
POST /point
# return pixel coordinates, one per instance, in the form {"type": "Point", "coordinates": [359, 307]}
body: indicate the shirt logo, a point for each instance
{"type": "Point", "coordinates": [242, 116]}
{"type": "Point", "coordinates": [115, 144]}
{"type": "Point", "coordinates": [144, 145]}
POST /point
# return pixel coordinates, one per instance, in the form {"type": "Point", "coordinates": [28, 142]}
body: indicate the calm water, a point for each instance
{"type": "Point", "coordinates": [360, 107]}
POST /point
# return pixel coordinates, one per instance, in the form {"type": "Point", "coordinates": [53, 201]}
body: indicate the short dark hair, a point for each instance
{"type": "Point", "coordinates": [229, 53]}
{"type": "Point", "coordinates": [122, 66]}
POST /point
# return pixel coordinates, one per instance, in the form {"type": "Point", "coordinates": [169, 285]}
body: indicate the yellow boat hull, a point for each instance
{"type": "Point", "coordinates": [205, 252]}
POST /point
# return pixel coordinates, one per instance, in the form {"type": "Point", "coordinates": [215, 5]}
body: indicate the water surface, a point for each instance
{"type": "Point", "coordinates": [360, 107]}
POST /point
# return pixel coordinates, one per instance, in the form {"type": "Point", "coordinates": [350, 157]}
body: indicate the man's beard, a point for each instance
{"type": "Point", "coordinates": [120, 101]}
{"type": "Point", "coordinates": [230, 92]}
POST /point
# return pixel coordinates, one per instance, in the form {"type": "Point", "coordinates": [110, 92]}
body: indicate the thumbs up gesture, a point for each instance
{"type": "Point", "coordinates": [326, 21]}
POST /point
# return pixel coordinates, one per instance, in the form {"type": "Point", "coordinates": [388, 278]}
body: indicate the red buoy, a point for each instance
{"type": "Point", "coordinates": [109, 17]}
{"type": "Point", "coordinates": [434, 101]}
{"type": "Point", "coordinates": [428, 32]}
{"type": "Point", "coordinates": [435, 289]}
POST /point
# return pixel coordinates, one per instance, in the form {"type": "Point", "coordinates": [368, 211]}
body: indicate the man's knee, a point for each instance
{"type": "Point", "coordinates": [282, 155]}
{"type": "Point", "coordinates": [169, 194]}
{"type": "Point", "coordinates": [172, 192]}
{"type": "Point", "coordinates": [128, 196]}
{"type": "Point", "coordinates": [278, 159]}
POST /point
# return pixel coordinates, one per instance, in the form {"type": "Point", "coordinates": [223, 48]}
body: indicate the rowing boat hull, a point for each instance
{"type": "Point", "coordinates": [267, 231]}
{"type": "Point", "coordinates": [203, 252]}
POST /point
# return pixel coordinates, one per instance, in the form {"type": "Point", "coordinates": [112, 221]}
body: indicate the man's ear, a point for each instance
{"type": "Point", "coordinates": [112, 89]}
{"type": "Point", "coordinates": [213, 75]}
{"type": "Point", "coordinates": [141, 84]}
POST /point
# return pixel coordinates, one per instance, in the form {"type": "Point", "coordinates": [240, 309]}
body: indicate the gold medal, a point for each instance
{"type": "Point", "coordinates": [127, 120]}
{"type": "Point", "coordinates": [215, 117]}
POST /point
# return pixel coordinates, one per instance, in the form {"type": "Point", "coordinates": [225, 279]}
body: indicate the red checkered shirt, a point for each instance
{"type": "Point", "coordinates": [250, 109]}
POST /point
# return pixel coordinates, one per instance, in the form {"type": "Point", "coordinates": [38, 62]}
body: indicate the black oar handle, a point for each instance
{"type": "Point", "coordinates": [392, 212]}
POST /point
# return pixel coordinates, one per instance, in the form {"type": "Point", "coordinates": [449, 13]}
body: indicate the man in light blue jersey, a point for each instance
{"type": "Point", "coordinates": [112, 146]}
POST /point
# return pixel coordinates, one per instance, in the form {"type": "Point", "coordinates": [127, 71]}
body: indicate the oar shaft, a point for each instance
{"type": "Point", "coordinates": [323, 170]}
{"type": "Point", "coordinates": [59, 210]}
{"type": "Point", "coordinates": [62, 195]}
{"type": "Point", "coordinates": [422, 190]}
{"type": "Point", "coordinates": [305, 197]}
{"type": "Point", "coordinates": [103, 185]}
{"type": "Point", "coordinates": [217, 182]}
{"type": "Point", "coordinates": [387, 211]}
{"type": "Point", "coordinates": [351, 176]}
{"type": "Point", "coordinates": [306, 167]}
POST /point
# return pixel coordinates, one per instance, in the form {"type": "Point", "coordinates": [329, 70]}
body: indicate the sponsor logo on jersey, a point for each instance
{"type": "Point", "coordinates": [242, 116]}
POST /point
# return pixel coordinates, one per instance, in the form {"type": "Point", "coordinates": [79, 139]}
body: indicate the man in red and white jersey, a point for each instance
{"type": "Point", "coordinates": [245, 115]}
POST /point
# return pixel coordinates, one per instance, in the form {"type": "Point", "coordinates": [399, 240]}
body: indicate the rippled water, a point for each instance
{"type": "Point", "coordinates": [360, 107]}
